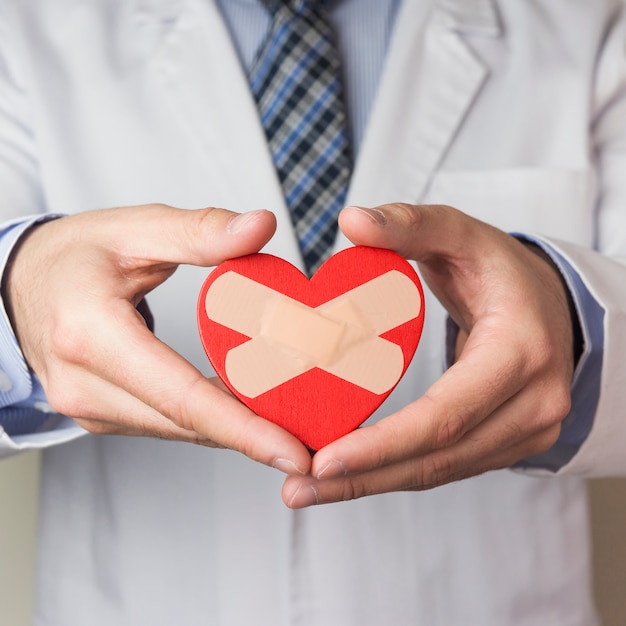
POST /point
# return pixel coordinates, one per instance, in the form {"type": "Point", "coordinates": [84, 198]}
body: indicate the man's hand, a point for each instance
{"type": "Point", "coordinates": [506, 394]}
{"type": "Point", "coordinates": [72, 289]}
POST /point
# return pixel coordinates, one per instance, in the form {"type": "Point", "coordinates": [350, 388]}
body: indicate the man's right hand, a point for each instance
{"type": "Point", "coordinates": [72, 290]}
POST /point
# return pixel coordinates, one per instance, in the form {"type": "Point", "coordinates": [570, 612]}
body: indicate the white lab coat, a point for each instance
{"type": "Point", "coordinates": [487, 107]}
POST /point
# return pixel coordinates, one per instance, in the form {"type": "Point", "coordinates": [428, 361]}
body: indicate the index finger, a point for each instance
{"type": "Point", "coordinates": [467, 393]}
{"type": "Point", "coordinates": [133, 359]}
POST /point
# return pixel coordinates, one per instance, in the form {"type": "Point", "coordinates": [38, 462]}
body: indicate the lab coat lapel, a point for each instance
{"type": "Point", "coordinates": [202, 76]}
{"type": "Point", "coordinates": [430, 81]}
{"type": "Point", "coordinates": [407, 136]}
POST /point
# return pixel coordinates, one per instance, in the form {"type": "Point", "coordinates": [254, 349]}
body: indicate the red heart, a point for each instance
{"type": "Point", "coordinates": [315, 406]}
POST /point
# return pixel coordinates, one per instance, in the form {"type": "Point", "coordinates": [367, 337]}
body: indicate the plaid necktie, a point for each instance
{"type": "Point", "coordinates": [296, 82]}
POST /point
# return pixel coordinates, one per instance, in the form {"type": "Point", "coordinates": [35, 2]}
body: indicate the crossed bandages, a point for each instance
{"type": "Point", "coordinates": [288, 338]}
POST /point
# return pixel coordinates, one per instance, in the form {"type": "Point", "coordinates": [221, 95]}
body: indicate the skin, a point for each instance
{"type": "Point", "coordinates": [72, 290]}
{"type": "Point", "coordinates": [74, 283]}
{"type": "Point", "coordinates": [509, 389]}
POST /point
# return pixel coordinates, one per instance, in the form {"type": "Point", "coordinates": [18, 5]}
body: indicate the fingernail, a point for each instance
{"type": "Point", "coordinates": [287, 466]}
{"type": "Point", "coordinates": [375, 215]}
{"type": "Point", "coordinates": [334, 469]}
{"type": "Point", "coordinates": [240, 222]}
{"type": "Point", "coordinates": [305, 495]}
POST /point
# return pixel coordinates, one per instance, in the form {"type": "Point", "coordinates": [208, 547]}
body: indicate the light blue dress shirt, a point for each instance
{"type": "Point", "coordinates": [364, 29]}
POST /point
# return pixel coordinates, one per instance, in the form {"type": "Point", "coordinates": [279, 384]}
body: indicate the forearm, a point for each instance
{"type": "Point", "coordinates": [26, 419]}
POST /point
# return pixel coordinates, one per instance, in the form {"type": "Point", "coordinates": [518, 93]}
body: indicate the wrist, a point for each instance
{"type": "Point", "coordinates": [577, 334]}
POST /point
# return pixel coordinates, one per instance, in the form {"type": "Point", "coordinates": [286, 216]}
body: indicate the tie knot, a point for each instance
{"type": "Point", "coordinates": [296, 6]}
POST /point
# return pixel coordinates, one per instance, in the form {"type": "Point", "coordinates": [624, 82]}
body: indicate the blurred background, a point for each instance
{"type": "Point", "coordinates": [18, 513]}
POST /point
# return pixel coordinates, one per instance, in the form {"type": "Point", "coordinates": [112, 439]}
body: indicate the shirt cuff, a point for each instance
{"type": "Point", "coordinates": [26, 419]}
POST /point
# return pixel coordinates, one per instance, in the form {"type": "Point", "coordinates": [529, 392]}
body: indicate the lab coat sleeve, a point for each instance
{"type": "Point", "coordinates": [602, 452]}
{"type": "Point", "coordinates": [603, 272]}
{"type": "Point", "coordinates": [585, 388]}
{"type": "Point", "coordinates": [26, 420]}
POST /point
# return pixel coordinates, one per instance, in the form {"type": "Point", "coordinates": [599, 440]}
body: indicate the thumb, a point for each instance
{"type": "Point", "coordinates": [423, 233]}
{"type": "Point", "coordinates": [468, 264]}
{"type": "Point", "coordinates": [158, 233]}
